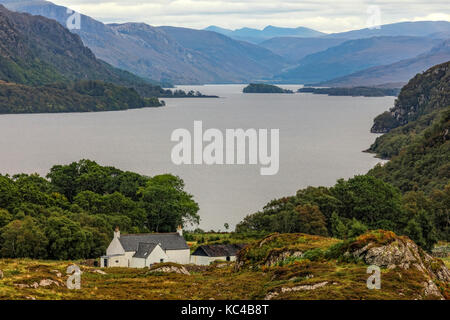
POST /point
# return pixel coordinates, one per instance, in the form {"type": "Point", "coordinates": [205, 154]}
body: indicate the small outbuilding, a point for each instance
{"type": "Point", "coordinates": [206, 254]}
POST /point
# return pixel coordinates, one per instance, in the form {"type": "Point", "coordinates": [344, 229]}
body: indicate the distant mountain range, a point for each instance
{"type": "Point", "coordinates": [156, 53]}
{"type": "Point", "coordinates": [257, 36]}
{"type": "Point", "coordinates": [355, 55]}
{"type": "Point", "coordinates": [274, 54]}
{"type": "Point", "coordinates": [395, 74]}
{"type": "Point", "coordinates": [294, 49]}
{"type": "Point", "coordinates": [412, 29]}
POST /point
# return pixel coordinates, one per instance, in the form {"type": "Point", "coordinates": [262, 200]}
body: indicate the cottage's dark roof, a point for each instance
{"type": "Point", "coordinates": [168, 241]}
{"type": "Point", "coordinates": [144, 250]}
{"type": "Point", "coordinates": [218, 250]}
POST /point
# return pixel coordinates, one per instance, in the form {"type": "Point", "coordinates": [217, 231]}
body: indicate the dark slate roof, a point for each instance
{"type": "Point", "coordinates": [218, 250]}
{"type": "Point", "coordinates": [168, 241]}
{"type": "Point", "coordinates": [144, 250]}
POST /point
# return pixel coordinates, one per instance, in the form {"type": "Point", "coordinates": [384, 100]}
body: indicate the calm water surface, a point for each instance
{"type": "Point", "coordinates": [321, 139]}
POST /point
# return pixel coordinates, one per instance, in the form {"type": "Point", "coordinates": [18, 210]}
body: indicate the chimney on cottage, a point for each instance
{"type": "Point", "coordinates": [117, 233]}
{"type": "Point", "coordinates": [180, 230]}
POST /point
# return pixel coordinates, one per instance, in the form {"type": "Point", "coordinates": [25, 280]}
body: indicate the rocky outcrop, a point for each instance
{"type": "Point", "coordinates": [274, 294]}
{"type": "Point", "coordinates": [403, 253]}
{"type": "Point", "coordinates": [170, 268]}
{"type": "Point", "coordinates": [41, 284]}
{"type": "Point", "coordinates": [276, 256]}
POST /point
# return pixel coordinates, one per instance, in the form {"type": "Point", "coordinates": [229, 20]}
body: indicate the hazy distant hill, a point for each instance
{"type": "Point", "coordinates": [413, 29]}
{"type": "Point", "coordinates": [398, 72]}
{"type": "Point", "coordinates": [152, 53]}
{"type": "Point", "coordinates": [231, 60]}
{"type": "Point", "coordinates": [257, 36]}
{"type": "Point", "coordinates": [294, 49]}
{"type": "Point", "coordinates": [355, 55]}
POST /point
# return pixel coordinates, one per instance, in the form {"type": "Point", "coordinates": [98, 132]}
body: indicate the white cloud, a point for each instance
{"type": "Point", "coordinates": [323, 15]}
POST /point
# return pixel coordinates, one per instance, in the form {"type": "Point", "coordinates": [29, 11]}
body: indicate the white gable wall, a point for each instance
{"type": "Point", "coordinates": [154, 257]}
{"type": "Point", "coordinates": [115, 247]}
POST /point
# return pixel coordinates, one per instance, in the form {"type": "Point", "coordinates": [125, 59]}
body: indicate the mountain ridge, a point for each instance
{"type": "Point", "coordinates": [152, 53]}
{"type": "Point", "coordinates": [398, 72]}
{"type": "Point", "coordinates": [355, 55]}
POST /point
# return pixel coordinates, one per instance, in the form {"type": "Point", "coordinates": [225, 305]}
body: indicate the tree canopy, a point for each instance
{"type": "Point", "coordinates": [72, 213]}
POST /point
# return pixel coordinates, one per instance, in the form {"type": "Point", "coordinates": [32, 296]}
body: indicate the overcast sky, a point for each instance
{"type": "Point", "coordinates": [322, 15]}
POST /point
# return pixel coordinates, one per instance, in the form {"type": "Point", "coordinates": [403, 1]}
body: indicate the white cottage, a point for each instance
{"type": "Point", "coordinates": [206, 254]}
{"type": "Point", "coordinates": [143, 250]}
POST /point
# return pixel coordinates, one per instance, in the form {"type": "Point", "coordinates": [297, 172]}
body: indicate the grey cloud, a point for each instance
{"type": "Point", "coordinates": [323, 15]}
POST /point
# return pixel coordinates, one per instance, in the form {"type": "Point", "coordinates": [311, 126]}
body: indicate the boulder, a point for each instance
{"type": "Point", "coordinates": [99, 271]}
{"type": "Point", "coordinates": [403, 253]}
{"type": "Point", "coordinates": [170, 269]}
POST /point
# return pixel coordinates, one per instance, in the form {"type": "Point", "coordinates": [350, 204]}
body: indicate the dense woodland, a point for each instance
{"type": "Point", "coordinates": [72, 213]}
{"type": "Point", "coordinates": [81, 96]}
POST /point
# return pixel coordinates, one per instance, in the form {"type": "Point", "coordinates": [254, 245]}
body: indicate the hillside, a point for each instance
{"type": "Point", "coordinates": [153, 53]}
{"type": "Point", "coordinates": [35, 51]}
{"type": "Point", "coordinates": [417, 139]}
{"type": "Point", "coordinates": [355, 55]}
{"type": "Point", "coordinates": [294, 49]}
{"type": "Point", "coordinates": [397, 72]}
{"type": "Point", "coordinates": [425, 93]}
{"type": "Point", "coordinates": [233, 61]}
{"type": "Point", "coordinates": [279, 266]}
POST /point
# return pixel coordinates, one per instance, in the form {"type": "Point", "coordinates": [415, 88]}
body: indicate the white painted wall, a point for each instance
{"type": "Point", "coordinates": [155, 257]}
{"type": "Point", "coordinates": [115, 247]}
{"type": "Point", "coordinates": [116, 261]}
{"type": "Point", "coordinates": [205, 261]}
{"type": "Point", "coordinates": [179, 256]}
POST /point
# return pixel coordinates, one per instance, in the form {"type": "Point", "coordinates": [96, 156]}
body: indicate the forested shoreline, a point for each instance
{"type": "Point", "coordinates": [71, 213]}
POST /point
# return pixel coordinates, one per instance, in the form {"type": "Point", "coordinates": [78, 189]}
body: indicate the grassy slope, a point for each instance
{"type": "Point", "coordinates": [346, 280]}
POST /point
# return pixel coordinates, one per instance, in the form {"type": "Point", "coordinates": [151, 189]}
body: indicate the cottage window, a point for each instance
{"type": "Point", "coordinates": [162, 260]}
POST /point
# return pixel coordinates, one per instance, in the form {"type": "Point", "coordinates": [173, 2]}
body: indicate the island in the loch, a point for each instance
{"type": "Point", "coordinates": [178, 93]}
{"type": "Point", "coordinates": [264, 88]}
{"type": "Point", "coordinates": [353, 91]}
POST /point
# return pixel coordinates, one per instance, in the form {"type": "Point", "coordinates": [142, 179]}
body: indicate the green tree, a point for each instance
{"type": "Point", "coordinates": [5, 217]}
{"type": "Point", "coordinates": [338, 228]}
{"type": "Point", "coordinates": [167, 205]}
{"type": "Point", "coordinates": [67, 239]}
{"type": "Point", "coordinates": [23, 239]}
